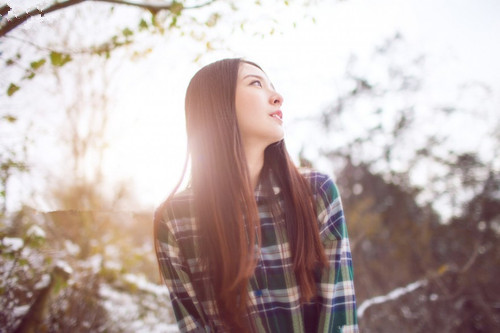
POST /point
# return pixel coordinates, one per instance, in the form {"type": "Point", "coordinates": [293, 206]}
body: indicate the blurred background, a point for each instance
{"type": "Point", "coordinates": [398, 101]}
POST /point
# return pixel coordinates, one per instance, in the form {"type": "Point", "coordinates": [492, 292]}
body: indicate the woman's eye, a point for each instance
{"type": "Point", "coordinates": [256, 83]}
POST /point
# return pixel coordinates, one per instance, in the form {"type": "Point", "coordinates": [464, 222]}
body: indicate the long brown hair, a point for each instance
{"type": "Point", "coordinates": [225, 208]}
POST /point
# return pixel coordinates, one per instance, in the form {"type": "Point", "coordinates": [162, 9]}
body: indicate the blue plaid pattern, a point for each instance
{"type": "Point", "coordinates": [274, 296]}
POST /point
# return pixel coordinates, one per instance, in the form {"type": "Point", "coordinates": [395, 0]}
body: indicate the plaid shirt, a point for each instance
{"type": "Point", "coordinates": [273, 291]}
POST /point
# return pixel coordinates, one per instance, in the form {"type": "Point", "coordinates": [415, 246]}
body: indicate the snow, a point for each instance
{"type": "Point", "coordinates": [43, 283]}
{"type": "Point", "coordinates": [145, 285]}
{"type": "Point", "coordinates": [19, 7]}
{"type": "Point", "coordinates": [112, 251]}
{"type": "Point", "coordinates": [36, 231]}
{"type": "Point", "coordinates": [13, 243]}
{"type": "Point", "coordinates": [72, 248]}
{"type": "Point", "coordinates": [139, 312]}
{"type": "Point", "coordinates": [161, 328]}
{"type": "Point", "coordinates": [113, 265]}
{"type": "Point", "coordinates": [94, 263]}
{"type": "Point", "coordinates": [396, 293]}
{"type": "Point", "coordinates": [64, 266]}
{"type": "Point", "coordinates": [22, 310]}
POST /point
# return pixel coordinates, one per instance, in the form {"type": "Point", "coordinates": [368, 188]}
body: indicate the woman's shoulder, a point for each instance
{"type": "Point", "coordinates": [313, 174]}
{"type": "Point", "coordinates": [321, 183]}
{"type": "Point", "coordinates": [174, 226]}
{"type": "Point", "coordinates": [176, 208]}
{"type": "Point", "coordinates": [315, 177]}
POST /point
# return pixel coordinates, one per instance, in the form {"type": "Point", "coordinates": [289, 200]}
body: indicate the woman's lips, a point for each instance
{"type": "Point", "coordinates": [277, 114]}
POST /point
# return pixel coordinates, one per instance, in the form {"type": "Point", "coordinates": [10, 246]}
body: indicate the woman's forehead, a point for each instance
{"type": "Point", "coordinates": [246, 68]}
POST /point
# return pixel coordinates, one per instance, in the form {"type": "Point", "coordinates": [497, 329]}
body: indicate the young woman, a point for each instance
{"type": "Point", "coordinates": [253, 244]}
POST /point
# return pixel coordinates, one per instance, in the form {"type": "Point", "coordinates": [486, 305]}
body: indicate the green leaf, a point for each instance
{"type": "Point", "coordinates": [176, 8]}
{"type": "Point", "coordinates": [12, 89]}
{"type": "Point", "coordinates": [143, 25]}
{"type": "Point", "coordinates": [37, 64]}
{"type": "Point", "coordinates": [174, 22]}
{"type": "Point", "coordinates": [59, 283]}
{"type": "Point", "coordinates": [10, 118]}
{"type": "Point", "coordinates": [212, 20]}
{"type": "Point", "coordinates": [59, 59]}
{"type": "Point", "coordinates": [127, 32]}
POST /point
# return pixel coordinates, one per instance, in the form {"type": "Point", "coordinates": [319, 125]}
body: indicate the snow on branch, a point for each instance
{"type": "Point", "coordinates": [12, 23]}
{"type": "Point", "coordinates": [395, 294]}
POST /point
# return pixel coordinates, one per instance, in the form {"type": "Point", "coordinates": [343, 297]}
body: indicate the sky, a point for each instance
{"type": "Point", "coordinates": [307, 64]}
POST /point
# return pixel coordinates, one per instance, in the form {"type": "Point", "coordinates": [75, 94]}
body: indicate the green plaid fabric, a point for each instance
{"type": "Point", "coordinates": [273, 291]}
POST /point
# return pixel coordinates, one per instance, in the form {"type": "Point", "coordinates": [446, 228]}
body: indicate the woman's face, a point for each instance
{"type": "Point", "coordinates": [258, 108]}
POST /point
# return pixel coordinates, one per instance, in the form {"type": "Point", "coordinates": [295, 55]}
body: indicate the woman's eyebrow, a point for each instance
{"type": "Point", "coordinates": [253, 75]}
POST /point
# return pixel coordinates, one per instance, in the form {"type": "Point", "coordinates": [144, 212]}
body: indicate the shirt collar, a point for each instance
{"type": "Point", "coordinates": [260, 191]}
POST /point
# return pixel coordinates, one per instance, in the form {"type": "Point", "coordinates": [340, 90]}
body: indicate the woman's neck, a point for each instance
{"type": "Point", "coordinates": [255, 161]}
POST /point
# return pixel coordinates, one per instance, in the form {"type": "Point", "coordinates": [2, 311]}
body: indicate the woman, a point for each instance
{"type": "Point", "coordinates": [253, 244]}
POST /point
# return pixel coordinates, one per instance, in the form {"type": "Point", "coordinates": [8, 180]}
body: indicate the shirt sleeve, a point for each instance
{"type": "Point", "coordinates": [336, 289]}
{"type": "Point", "coordinates": [175, 273]}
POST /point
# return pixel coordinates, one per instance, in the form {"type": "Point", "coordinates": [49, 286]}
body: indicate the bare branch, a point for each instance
{"type": "Point", "coordinates": [18, 20]}
{"type": "Point", "coordinates": [471, 260]}
{"type": "Point", "coordinates": [13, 23]}
{"type": "Point", "coordinates": [201, 5]}
{"type": "Point", "coordinates": [153, 7]}
{"type": "Point", "coordinates": [99, 49]}
{"type": "Point", "coordinates": [4, 10]}
{"type": "Point", "coordinates": [394, 294]}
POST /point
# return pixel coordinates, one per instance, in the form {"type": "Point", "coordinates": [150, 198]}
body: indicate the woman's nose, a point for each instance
{"type": "Point", "coordinates": [276, 99]}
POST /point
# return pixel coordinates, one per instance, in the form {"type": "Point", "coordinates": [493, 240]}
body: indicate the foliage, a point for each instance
{"type": "Point", "coordinates": [418, 266]}
{"type": "Point", "coordinates": [51, 284]}
{"type": "Point", "coordinates": [12, 162]}
{"type": "Point", "coordinates": [192, 18]}
{"type": "Point", "coordinates": [57, 58]}
{"type": "Point", "coordinates": [405, 135]}
{"type": "Point", "coordinates": [389, 230]}
{"type": "Point", "coordinates": [400, 235]}
{"type": "Point", "coordinates": [160, 16]}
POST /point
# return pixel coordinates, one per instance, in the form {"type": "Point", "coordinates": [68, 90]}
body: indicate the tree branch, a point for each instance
{"type": "Point", "coordinates": [4, 10]}
{"type": "Point", "coordinates": [153, 7]}
{"type": "Point", "coordinates": [18, 20]}
{"type": "Point", "coordinates": [394, 294]}
{"type": "Point", "coordinates": [201, 5]}
{"type": "Point", "coordinates": [13, 23]}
